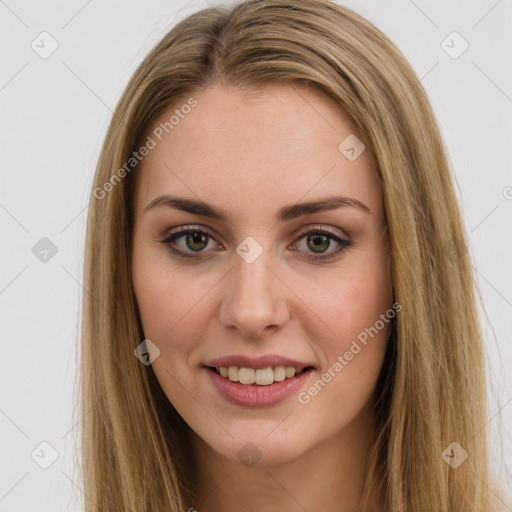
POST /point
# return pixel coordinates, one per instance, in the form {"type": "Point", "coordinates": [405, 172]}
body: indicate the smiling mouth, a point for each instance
{"type": "Point", "coordinates": [258, 376]}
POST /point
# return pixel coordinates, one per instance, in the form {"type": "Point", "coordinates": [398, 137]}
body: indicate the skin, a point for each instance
{"type": "Point", "coordinates": [250, 154]}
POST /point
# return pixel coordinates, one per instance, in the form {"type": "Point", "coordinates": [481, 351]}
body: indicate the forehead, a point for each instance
{"type": "Point", "coordinates": [239, 146]}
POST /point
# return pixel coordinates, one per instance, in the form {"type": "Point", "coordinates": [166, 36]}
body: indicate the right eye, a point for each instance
{"type": "Point", "coordinates": [194, 239]}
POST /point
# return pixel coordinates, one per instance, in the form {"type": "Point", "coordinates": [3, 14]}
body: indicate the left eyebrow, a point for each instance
{"type": "Point", "coordinates": [285, 213]}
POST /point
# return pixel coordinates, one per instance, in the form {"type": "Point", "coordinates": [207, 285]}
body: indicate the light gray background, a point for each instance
{"type": "Point", "coordinates": [54, 115]}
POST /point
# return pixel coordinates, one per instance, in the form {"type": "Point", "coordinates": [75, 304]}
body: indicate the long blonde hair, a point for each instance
{"type": "Point", "coordinates": [431, 391]}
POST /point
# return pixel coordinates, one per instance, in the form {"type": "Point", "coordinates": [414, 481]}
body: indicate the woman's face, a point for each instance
{"type": "Point", "coordinates": [248, 288]}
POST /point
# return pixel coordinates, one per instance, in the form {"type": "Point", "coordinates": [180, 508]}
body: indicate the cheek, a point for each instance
{"type": "Point", "coordinates": [354, 355]}
{"type": "Point", "coordinates": [349, 307]}
{"type": "Point", "coordinates": [173, 317]}
{"type": "Point", "coordinates": [350, 327]}
{"type": "Point", "coordinates": [353, 359]}
{"type": "Point", "coordinates": [169, 301]}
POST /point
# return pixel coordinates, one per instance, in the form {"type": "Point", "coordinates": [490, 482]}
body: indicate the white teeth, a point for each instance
{"type": "Point", "coordinates": [264, 376]}
{"type": "Point", "coordinates": [279, 373]}
{"type": "Point", "coordinates": [290, 371]}
{"type": "Point", "coordinates": [233, 373]}
{"type": "Point", "coordinates": [260, 376]}
{"type": "Point", "coordinates": [246, 375]}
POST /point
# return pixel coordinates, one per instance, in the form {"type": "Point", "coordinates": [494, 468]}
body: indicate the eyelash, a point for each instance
{"type": "Point", "coordinates": [182, 231]}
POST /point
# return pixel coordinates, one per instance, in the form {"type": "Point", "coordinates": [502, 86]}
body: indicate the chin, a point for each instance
{"type": "Point", "coordinates": [259, 444]}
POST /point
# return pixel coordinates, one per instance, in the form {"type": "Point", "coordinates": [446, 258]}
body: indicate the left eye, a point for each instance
{"type": "Point", "coordinates": [319, 240]}
{"type": "Point", "coordinates": [196, 240]}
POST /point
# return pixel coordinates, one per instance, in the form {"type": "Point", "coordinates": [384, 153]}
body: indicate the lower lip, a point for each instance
{"type": "Point", "coordinates": [253, 395]}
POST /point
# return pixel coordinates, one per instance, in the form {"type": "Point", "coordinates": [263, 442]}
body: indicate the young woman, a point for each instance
{"type": "Point", "coordinates": [280, 311]}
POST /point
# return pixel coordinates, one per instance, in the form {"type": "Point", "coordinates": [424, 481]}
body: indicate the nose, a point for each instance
{"type": "Point", "coordinates": [254, 299]}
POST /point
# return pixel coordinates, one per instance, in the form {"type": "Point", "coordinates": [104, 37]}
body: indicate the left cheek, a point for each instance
{"type": "Point", "coordinates": [352, 311]}
{"type": "Point", "coordinates": [361, 363]}
{"type": "Point", "coordinates": [366, 301]}
{"type": "Point", "coordinates": [360, 336]}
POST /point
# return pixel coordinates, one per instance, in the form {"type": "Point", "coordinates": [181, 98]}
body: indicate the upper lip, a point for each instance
{"type": "Point", "coordinates": [256, 362]}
